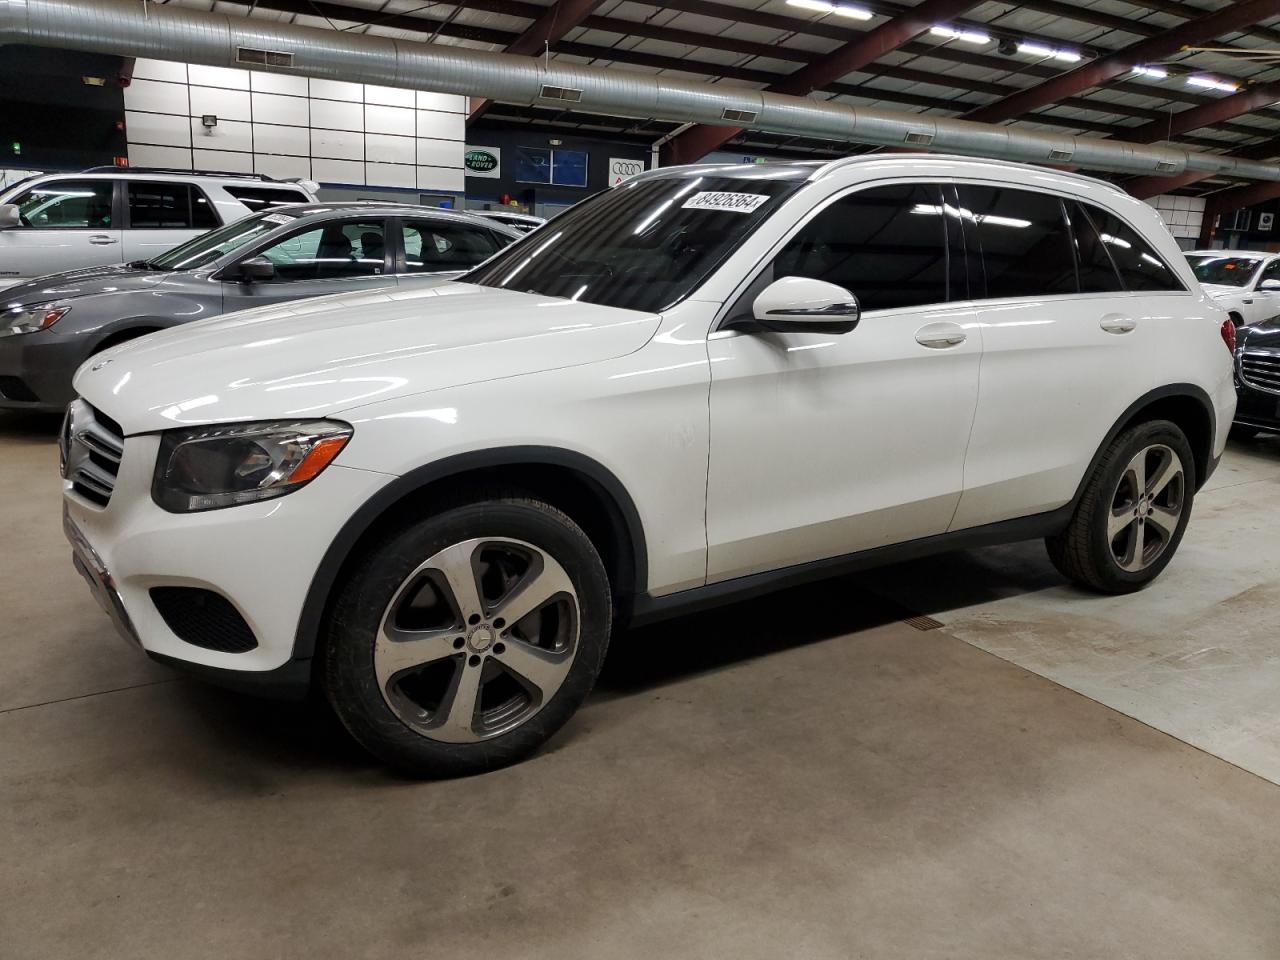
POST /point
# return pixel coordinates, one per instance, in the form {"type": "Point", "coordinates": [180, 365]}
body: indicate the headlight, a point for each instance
{"type": "Point", "coordinates": [220, 466]}
{"type": "Point", "coordinates": [30, 319]}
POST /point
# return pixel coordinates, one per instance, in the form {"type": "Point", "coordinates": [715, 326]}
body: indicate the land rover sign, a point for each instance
{"type": "Point", "coordinates": [483, 162]}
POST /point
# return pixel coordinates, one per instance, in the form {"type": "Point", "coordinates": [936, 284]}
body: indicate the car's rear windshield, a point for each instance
{"type": "Point", "coordinates": [645, 245]}
{"type": "Point", "coordinates": [1226, 270]}
{"type": "Point", "coordinates": [208, 247]}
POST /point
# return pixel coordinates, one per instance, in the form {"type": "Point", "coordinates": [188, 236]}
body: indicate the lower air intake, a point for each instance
{"type": "Point", "coordinates": [203, 618]}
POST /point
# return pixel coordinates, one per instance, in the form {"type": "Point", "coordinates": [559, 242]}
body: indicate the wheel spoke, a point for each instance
{"type": "Point", "coordinates": [1165, 520]}
{"type": "Point", "coordinates": [455, 563]}
{"type": "Point", "coordinates": [1118, 520]}
{"type": "Point", "coordinates": [1132, 559]}
{"type": "Point", "coordinates": [456, 715]}
{"type": "Point", "coordinates": [1168, 469]}
{"type": "Point", "coordinates": [398, 650]}
{"type": "Point", "coordinates": [548, 581]}
{"type": "Point", "coordinates": [1137, 470]}
{"type": "Point", "coordinates": [543, 669]}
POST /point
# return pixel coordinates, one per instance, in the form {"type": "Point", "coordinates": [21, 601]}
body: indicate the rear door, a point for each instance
{"type": "Point", "coordinates": [1070, 313]}
{"type": "Point", "coordinates": [66, 225]}
{"type": "Point", "coordinates": [339, 256]}
{"type": "Point", "coordinates": [442, 248]}
{"type": "Point", "coordinates": [160, 216]}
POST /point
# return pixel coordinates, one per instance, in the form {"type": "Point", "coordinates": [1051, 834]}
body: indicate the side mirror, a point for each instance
{"type": "Point", "coordinates": [10, 216]}
{"type": "Point", "coordinates": [804, 305]}
{"type": "Point", "coordinates": [1269, 284]}
{"type": "Point", "coordinates": [257, 270]}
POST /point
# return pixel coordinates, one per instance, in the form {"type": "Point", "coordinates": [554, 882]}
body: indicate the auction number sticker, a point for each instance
{"type": "Point", "coordinates": [730, 202]}
{"type": "Point", "coordinates": [278, 218]}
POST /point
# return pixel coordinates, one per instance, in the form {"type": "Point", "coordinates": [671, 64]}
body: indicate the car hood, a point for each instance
{"type": "Point", "coordinates": [83, 283]}
{"type": "Point", "coordinates": [1261, 336]}
{"type": "Point", "coordinates": [317, 358]}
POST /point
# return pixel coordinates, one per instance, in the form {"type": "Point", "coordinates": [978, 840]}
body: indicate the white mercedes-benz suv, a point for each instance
{"type": "Point", "coordinates": [704, 383]}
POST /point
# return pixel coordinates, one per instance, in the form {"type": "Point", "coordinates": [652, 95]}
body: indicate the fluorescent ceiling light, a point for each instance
{"type": "Point", "coordinates": [952, 33]}
{"type": "Point", "coordinates": [1211, 84]}
{"type": "Point", "coordinates": [1033, 49]}
{"type": "Point", "coordinates": [1160, 73]}
{"type": "Point", "coordinates": [839, 9]}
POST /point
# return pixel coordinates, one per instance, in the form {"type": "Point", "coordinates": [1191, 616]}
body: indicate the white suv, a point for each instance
{"type": "Point", "coordinates": [1246, 283]}
{"type": "Point", "coordinates": [107, 215]}
{"type": "Point", "coordinates": [701, 384]}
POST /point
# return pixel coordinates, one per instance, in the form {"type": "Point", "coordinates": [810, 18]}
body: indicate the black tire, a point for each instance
{"type": "Point", "coordinates": [376, 579]}
{"type": "Point", "coordinates": [1083, 552]}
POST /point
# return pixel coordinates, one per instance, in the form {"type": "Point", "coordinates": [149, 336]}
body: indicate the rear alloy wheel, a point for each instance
{"type": "Point", "coordinates": [1133, 512]}
{"type": "Point", "coordinates": [474, 655]}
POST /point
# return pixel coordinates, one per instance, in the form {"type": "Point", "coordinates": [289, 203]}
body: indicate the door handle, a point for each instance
{"type": "Point", "coordinates": [1115, 323]}
{"type": "Point", "coordinates": [102, 240]}
{"type": "Point", "coordinates": [939, 336]}
{"type": "Point", "coordinates": [1246, 301]}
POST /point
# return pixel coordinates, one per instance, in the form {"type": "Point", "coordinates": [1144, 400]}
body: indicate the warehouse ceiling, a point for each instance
{"type": "Point", "coordinates": [1204, 75]}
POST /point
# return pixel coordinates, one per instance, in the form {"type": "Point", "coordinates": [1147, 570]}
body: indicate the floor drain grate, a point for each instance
{"type": "Point", "coordinates": [923, 623]}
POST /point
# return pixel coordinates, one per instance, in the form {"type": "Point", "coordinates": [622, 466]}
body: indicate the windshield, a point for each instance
{"type": "Point", "coordinates": [642, 246]}
{"type": "Point", "coordinates": [1228, 271]}
{"type": "Point", "coordinates": [208, 247]}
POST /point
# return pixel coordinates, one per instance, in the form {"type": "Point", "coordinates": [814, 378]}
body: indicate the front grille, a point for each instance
{"type": "Point", "coordinates": [1261, 370]}
{"type": "Point", "coordinates": [12, 388]}
{"type": "Point", "coordinates": [90, 449]}
{"type": "Point", "coordinates": [203, 618]}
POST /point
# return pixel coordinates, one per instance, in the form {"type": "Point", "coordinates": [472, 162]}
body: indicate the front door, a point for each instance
{"type": "Point", "coordinates": [66, 225]}
{"type": "Point", "coordinates": [1266, 303]}
{"type": "Point", "coordinates": [341, 256]}
{"type": "Point", "coordinates": [823, 445]}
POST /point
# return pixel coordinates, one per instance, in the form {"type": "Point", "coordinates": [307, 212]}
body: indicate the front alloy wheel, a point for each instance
{"type": "Point", "coordinates": [462, 641]}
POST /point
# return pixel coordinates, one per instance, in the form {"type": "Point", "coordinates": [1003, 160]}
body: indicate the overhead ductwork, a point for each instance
{"type": "Point", "coordinates": [136, 29]}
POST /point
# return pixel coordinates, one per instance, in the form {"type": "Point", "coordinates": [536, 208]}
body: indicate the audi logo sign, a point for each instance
{"type": "Point", "coordinates": [620, 170]}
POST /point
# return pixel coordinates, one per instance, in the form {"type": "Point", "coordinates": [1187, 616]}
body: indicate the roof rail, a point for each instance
{"type": "Point", "coordinates": [229, 174]}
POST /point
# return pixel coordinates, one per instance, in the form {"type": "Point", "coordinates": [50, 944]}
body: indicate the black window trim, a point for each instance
{"type": "Point", "coordinates": [727, 314]}
{"type": "Point", "coordinates": [1085, 202]}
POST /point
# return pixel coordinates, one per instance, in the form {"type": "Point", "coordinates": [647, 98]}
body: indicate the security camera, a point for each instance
{"type": "Point", "coordinates": [1008, 47]}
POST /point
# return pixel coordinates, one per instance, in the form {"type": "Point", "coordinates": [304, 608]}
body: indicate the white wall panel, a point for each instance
{"type": "Point", "coordinates": [223, 104]}
{"type": "Point", "coordinates": [440, 153]}
{"type": "Point", "coordinates": [227, 135]}
{"type": "Point", "coordinates": [155, 96]}
{"type": "Point", "coordinates": [388, 149]}
{"type": "Point", "coordinates": [442, 126]}
{"type": "Point", "coordinates": [282, 168]}
{"type": "Point", "coordinates": [448, 102]}
{"type": "Point", "coordinates": [273, 108]}
{"type": "Point", "coordinates": [440, 178]}
{"type": "Point", "coordinates": [337, 171]}
{"type": "Point", "coordinates": [145, 155]}
{"type": "Point", "coordinates": [294, 141]}
{"type": "Point", "coordinates": [397, 120]}
{"type": "Point", "coordinates": [200, 75]}
{"type": "Point", "coordinates": [337, 144]}
{"type": "Point", "coordinates": [337, 90]}
{"type": "Point", "coordinates": [144, 69]}
{"type": "Point", "coordinates": [390, 175]}
{"type": "Point", "coordinates": [337, 115]}
{"type": "Point", "coordinates": [388, 96]}
{"type": "Point", "coordinates": [224, 160]}
{"type": "Point", "coordinates": [278, 83]}
{"type": "Point", "coordinates": [161, 129]}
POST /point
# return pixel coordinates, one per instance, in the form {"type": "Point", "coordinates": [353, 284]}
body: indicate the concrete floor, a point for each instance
{"type": "Point", "coordinates": [802, 776]}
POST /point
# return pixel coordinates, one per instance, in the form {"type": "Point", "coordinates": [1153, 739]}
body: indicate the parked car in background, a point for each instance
{"type": "Point", "coordinates": [1245, 282]}
{"type": "Point", "coordinates": [1258, 380]}
{"type": "Point", "coordinates": [524, 222]}
{"type": "Point", "coordinates": [50, 326]}
{"type": "Point", "coordinates": [114, 215]}
{"type": "Point", "coordinates": [704, 383]}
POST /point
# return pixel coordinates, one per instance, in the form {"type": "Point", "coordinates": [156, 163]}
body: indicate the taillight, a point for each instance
{"type": "Point", "coordinates": [1228, 331]}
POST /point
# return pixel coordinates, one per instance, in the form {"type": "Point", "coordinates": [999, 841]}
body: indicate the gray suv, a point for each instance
{"type": "Point", "coordinates": [48, 327]}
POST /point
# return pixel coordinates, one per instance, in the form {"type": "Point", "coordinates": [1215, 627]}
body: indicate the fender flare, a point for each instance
{"type": "Point", "coordinates": [310, 620]}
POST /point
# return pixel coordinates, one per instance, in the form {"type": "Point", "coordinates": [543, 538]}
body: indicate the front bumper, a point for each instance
{"type": "Point", "coordinates": [260, 557]}
{"type": "Point", "coordinates": [1256, 408]}
{"type": "Point", "coordinates": [36, 371]}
